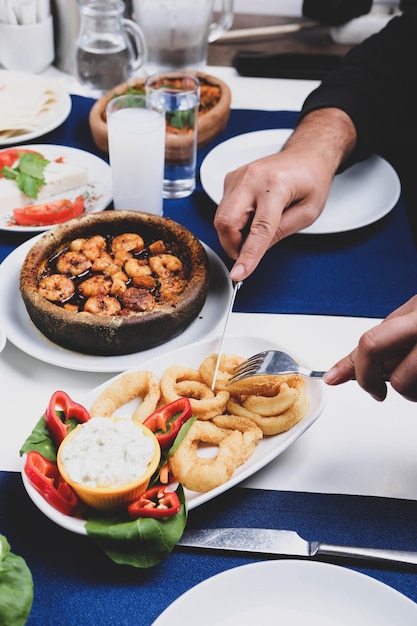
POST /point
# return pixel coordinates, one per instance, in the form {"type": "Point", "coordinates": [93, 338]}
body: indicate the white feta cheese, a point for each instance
{"type": "Point", "coordinates": [59, 177]}
{"type": "Point", "coordinates": [107, 453]}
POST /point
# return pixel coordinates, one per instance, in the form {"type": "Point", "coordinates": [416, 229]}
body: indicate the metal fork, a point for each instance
{"type": "Point", "coordinates": [271, 362]}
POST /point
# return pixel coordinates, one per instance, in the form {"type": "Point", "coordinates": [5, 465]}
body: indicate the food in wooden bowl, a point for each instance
{"type": "Point", "coordinates": [115, 282]}
{"type": "Point", "coordinates": [214, 110]}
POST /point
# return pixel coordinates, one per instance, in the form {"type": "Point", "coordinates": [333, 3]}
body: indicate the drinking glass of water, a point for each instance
{"type": "Point", "coordinates": [179, 93]}
{"type": "Point", "coordinates": [136, 131]}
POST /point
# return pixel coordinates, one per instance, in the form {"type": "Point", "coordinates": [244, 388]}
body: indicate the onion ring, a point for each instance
{"type": "Point", "coordinates": [144, 385]}
{"type": "Point", "coordinates": [228, 362]}
{"type": "Point", "coordinates": [212, 404]}
{"type": "Point", "coordinates": [203, 474]}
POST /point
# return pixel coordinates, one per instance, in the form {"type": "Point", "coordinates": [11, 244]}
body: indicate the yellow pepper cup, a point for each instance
{"type": "Point", "coordinates": [108, 498]}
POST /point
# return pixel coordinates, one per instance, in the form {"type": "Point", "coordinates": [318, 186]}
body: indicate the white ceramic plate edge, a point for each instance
{"type": "Point", "coordinates": [290, 592]}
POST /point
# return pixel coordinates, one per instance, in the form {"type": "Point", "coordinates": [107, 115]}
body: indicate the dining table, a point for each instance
{"type": "Point", "coordinates": [349, 479]}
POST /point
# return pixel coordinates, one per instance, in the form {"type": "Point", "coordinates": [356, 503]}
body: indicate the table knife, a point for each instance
{"type": "Point", "coordinates": [220, 350]}
{"type": "Point", "coordinates": [285, 543]}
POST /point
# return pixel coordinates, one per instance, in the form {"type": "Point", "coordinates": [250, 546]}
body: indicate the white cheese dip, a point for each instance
{"type": "Point", "coordinates": [107, 453]}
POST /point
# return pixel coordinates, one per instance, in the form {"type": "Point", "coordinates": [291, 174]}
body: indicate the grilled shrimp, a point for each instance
{"type": "Point", "coordinates": [165, 264]}
{"type": "Point", "coordinates": [95, 286]}
{"type": "Point", "coordinates": [140, 273]}
{"type": "Point", "coordinates": [170, 287]}
{"type": "Point", "coordinates": [102, 262]}
{"type": "Point", "coordinates": [73, 263]}
{"type": "Point", "coordinates": [128, 242]}
{"type": "Point", "coordinates": [93, 247]}
{"type": "Point", "coordinates": [102, 305]}
{"type": "Point", "coordinates": [136, 269]}
{"type": "Point", "coordinates": [56, 288]}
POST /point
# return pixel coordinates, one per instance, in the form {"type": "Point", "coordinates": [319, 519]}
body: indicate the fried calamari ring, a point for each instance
{"type": "Point", "coordinates": [269, 406]}
{"type": "Point", "coordinates": [274, 424]}
{"type": "Point", "coordinates": [265, 385]}
{"type": "Point", "coordinates": [228, 362]}
{"type": "Point", "coordinates": [251, 433]}
{"type": "Point", "coordinates": [144, 385]}
{"type": "Point", "coordinates": [203, 474]}
{"type": "Point", "coordinates": [177, 382]}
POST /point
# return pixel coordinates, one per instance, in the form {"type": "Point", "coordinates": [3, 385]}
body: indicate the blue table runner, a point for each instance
{"type": "Point", "coordinates": [367, 272]}
{"type": "Point", "coordinates": [77, 584]}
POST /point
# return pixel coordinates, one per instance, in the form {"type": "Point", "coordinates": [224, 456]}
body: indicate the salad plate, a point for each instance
{"type": "Point", "coordinates": [192, 355]}
{"type": "Point", "coordinates": [53, 100]}
{"type": "Point", "coordinates": [21, 331]}
{"type": "Point", "coordinates": [291, 592]}
{"type": "Point", "coordinates": [97, 193]}
{"type": "Point", "coordinates": [359, 196]}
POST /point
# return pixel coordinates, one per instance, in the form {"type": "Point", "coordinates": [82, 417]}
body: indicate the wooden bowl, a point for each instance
{"type": "Point", "coordinates": [215, 99]}
{"type": "Point", "coordinates": [130, 329]}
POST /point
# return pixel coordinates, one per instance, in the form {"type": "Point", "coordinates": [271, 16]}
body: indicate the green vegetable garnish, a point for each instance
{"type": "Point", "coordinates": [28, 174]}
{"type": "Point", "coordinates": [182, 120]}
{"type": "Point", "coordinates": [16, 587]}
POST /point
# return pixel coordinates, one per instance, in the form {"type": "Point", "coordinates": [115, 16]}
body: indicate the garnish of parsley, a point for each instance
{"type": "Point", "coordinates": [28, 174]}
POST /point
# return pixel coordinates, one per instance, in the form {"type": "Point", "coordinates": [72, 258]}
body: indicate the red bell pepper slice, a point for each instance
{"type": "Point", "coordinates": [45, 477]}
{"type": "Point", "coordinates": [157, 502]}
{"type": "Point", "coordinates": [58, 428]}
{"type": "Point", "coordinates": [166, 422]}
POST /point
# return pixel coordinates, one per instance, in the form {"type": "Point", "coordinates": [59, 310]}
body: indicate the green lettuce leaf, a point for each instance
{"type": "Point", "coordinates": [16, 587]}
{"type": "Point", "coordinates": [28, 174]}
{"type": "Point", "coordinates": [141, 543]}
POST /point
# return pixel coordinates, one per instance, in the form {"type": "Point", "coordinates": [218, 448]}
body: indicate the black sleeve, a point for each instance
{"type": "Point", "coordinates": [375, 86]}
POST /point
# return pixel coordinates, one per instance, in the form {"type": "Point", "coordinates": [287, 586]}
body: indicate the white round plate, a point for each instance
{"type": "Point", "coordinates": [361, 195]}
{"type": "Point", "coordinates": [290, 592]}
{"type": "Point", "coordinates": [97, 193]}
{"type": "Point", "coordinates": [21, 331]}
{"type": "Point", "coordinates": [56, 115]}
{"type": "Point", "coordinates": [191, 356]}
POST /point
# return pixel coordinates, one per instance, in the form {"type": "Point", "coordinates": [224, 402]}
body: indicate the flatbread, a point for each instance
{"type": "Point", "coordinates": [23, 108]}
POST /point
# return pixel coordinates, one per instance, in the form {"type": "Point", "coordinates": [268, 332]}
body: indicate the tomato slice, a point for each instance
{"type": "Point", "coordinates": [49, 213]}
{"type": "Point", "coordinates": [10, 156]}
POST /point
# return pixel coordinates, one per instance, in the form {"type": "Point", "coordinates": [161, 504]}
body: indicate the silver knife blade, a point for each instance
{"type": "Point", "coordinates": [220, 350]}
{"type": "Point", "coordinates": [285, 543]}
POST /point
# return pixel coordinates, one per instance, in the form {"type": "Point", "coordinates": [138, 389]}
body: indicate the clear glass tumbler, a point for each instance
{"type": "Point", "coordinates": [179, 93]}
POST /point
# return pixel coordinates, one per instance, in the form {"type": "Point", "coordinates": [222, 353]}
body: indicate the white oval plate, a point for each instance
{"type": "Point", "coordinates": [290, 592]}
{"type": "Point", "coordinates": [21, 331]}
{"type": "Point", "coordinates": [191, 356]}
{"type": "Point", "coordinates": [56, 115]}
{"type": "Point", "coordinates": [358, 197]}
{"type": "Point", "coordinates": [98, 192]}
